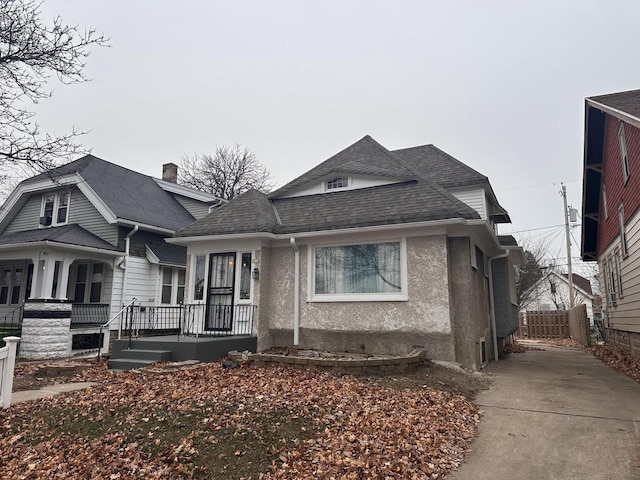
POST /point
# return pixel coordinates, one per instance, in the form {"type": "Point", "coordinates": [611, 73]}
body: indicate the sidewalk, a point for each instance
{"type": "Point", "coordinates": [556, 414]}
{"type": "Point", "coordinates": [48, 391]}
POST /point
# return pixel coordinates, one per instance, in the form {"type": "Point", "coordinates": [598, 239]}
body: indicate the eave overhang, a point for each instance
{"type": "Point", "coordinates": [594, 137]}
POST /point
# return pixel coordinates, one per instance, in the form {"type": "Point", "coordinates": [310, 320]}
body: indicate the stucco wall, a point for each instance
{"type": "Point", "coordinates": [470, 304]}
{"type": "Point", "coordinates": [370, 327]}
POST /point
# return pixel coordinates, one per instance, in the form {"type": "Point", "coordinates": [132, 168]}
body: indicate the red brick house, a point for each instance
{"type": "Point", "coordinates": [611, 214]}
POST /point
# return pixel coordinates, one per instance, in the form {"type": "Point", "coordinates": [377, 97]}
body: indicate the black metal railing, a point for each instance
{"type": "Point", "coordinates": [89, 314]}
{"type": "Point", "coordinates": [187, 320]}
{"type": "Point", "coordinates": [11, 324]}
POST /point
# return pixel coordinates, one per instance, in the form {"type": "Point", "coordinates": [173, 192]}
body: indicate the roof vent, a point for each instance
{"type": "Point", "coordinates": [170, 172]}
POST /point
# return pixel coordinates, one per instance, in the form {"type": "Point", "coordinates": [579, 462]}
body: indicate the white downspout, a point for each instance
{"type": "Point", "coordinates": [296, 293]}
{"type": "Point", "coordinates": [127, 242]}
{"type": "Point", "coordinates": [492, 304]}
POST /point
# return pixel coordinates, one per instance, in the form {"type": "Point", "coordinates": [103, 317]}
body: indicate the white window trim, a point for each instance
{"type": "Point", "coordinates": [472, 254]}
{"type": "Point", "coordinates": [174, 285]}
{"type": "Point", "coordinates": [401, 296]}
{"type": "Point", "coordinates": [236, 288]}
{"type": "Point", "coordinates": [604, 203]}
{"type": "Point", "coordinates": [325, 182]}
{"type": "Point", "coordinates": [623, 153]}
{"type": "Point", "coordinates": [486, 353]}
{"type": "Point", "coordinates": [71, 285]}
{"type": "Point", "coordinates": [56, 205]}
{"type": "Point", "coordinates": [192, 278]}
{"type": "Point", "coordinates": [623, 231]}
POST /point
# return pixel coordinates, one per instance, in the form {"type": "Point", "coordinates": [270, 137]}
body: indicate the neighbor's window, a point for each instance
{"type": "Point", "coordinates": [623, 153]}
{"type": "Point", "coordinates": [338, 182]}
{"type": "Point", "coordinates": [358, 269]}
{"type": "Point", "coordinates": [96, 282]}
{"type": "Point", "coordinates": [245, 277]}
{"type": "Point", "coordinates": [88, 282]}
{"type": "Point", "coordinates": [173, 280]}
{"type": "Point", "coordinates": [167, 277]}
{"type": "Point", "coordinates": [198, 281]}
{"type": "Point", "coordinates": [623, 230]}
{"type": "Point", "coordinates": [55, 208]}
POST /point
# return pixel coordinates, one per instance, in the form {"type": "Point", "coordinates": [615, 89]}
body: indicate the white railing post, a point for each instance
{"type": "Point", "coordinates": [7, 371]}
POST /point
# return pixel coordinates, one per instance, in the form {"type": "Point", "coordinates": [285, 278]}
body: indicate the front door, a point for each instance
{"type": "Point", "coordinates": [220, 295]}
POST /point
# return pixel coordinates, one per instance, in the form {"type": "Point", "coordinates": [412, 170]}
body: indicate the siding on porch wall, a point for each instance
{"type": "Point", "coordinates": [379, 327]}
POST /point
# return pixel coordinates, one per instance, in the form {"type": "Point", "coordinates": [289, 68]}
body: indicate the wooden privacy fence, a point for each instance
{"type": "Point", "coordinates": [545, 324]}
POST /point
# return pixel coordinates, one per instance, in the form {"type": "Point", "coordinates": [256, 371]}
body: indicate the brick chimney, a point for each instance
{"type": "Point", "coordinates": [170, 172]}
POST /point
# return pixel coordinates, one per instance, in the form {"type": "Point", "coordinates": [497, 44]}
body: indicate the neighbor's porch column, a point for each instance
{"type": "Point", "coordinates": [63, 281]}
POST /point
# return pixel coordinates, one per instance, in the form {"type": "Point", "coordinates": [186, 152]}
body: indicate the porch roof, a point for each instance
{"type": "Point", "coordinates": [67, 234]}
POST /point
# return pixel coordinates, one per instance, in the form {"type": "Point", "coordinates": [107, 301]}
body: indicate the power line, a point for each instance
{"type": "Point", "coordinates": [534, 186]}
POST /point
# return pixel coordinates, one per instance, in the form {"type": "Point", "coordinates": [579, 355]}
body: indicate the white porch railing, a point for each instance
{"type": "Point", "coordinates": [7, 365]}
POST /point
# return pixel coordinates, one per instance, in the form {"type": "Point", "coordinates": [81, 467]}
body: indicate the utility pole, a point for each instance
{"type": "Point", "coordinates": [567, 235]}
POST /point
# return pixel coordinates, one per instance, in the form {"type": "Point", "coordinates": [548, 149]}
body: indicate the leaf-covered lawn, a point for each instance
{"type": "Point", "coordinates": [247, 423]}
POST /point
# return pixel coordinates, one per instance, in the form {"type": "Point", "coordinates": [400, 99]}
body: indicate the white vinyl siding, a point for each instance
{"type": "Point", "coordinates": [475, 198]}
{"type": "Point", "coordinates": [28, 218]}
{"type": "Point", "coordinates": [626, 314]}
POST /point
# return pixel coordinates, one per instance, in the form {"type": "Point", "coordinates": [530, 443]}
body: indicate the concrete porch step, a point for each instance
{"type": "Point", "coordinates": [131, 358]}
{"type": "Point", "coordinates": [146, 354]}
{"type": "Point", "coordinates": [121, 364]}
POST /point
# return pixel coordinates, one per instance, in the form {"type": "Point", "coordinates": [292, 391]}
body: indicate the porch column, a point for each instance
{"type": "Point", "coordinates": [47, 279]}
{"type": "Point", "coordinates": [36, 277]}
{"type": "Point", "coordinates": [64, 279]}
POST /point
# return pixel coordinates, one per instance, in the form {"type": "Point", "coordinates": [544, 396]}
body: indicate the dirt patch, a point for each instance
{"type": "Point", "coordinates": [33, 375]}
{"type": "Point", "coordinates": [433, 375]}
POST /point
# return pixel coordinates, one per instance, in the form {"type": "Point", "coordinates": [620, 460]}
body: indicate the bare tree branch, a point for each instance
{"type": "Point", "coordinates": [30, 53]}
{"type": "Point", "coordinates": [226, 174]}
{"type": "Point", "coordinates": [528, 274]}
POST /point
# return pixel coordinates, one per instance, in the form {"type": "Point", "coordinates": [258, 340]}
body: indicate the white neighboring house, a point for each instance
{"type": "Point", "coordinates": [551, 292]}
{"type": "Point", "coordinates": [90, 234]}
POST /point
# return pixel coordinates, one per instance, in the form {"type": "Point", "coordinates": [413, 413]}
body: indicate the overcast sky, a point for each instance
{"type": "Point", "coordinates": [500, 85]}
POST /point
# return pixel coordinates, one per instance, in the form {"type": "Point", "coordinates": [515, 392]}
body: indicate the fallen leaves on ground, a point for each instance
{"type": "Point", "coordinates": [516, 347]}
{"type": "Point", "coordinates": [208, 422]}
{"type": "Point", "coordinates": [620, 359]}
{"type": "Point", "coordinates": [560, 342]}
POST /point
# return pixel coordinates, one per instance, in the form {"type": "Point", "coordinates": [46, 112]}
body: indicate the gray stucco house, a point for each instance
{"type": "Point", "coordinates": [371, 251]}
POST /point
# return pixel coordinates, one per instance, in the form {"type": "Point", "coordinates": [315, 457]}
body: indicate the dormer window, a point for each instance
{"type": "Point", "coordinates": [337, 182]}
{"type": "Point", "coordinates": [55, 208]}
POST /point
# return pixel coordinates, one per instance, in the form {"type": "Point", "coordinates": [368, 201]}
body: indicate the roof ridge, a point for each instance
{"type": "Point", "coordinates": [449, 157]}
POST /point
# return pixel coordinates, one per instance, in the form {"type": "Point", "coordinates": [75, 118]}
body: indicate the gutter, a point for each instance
{"type": "Point", "coordinates": [492, 304]}
{"type": "Point", "coordinates": [296, 292]}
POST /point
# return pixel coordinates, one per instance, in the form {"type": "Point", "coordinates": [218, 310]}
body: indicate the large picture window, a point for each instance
{"type": "Point", "coordinates": [365, 270]}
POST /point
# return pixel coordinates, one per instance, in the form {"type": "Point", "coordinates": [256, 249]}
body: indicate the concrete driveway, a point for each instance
{"type": "Point", "coordinates": [556, 414]}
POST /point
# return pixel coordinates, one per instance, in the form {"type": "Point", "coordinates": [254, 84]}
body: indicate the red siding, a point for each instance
{"type": "Point", "coordinates": [614, 186]}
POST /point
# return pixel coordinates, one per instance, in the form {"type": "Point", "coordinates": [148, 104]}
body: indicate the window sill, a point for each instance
{"type": "Point", "coordinates": [358, 298]}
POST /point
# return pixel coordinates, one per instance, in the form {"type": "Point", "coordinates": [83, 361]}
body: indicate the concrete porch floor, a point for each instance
{"type": "Point", "coordinates": [204, 349]}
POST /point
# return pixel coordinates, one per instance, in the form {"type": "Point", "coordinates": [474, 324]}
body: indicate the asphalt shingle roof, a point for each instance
{"type": "Point", "coordinates": [130, 195]}
{"type": "Point", "coordinates": [628, 102]}
{"type": "Point", "coordinates": [412, 199]}
{"type": "Point", "coordinates": [173, 254]}
{"type": "Point", "coordinates": [507, 241]}
{"type": "Point", "coordinates": [68, 234]}
{"type": "Point", "coordinates": [440, 167]}
{"type": "Point", "coordinates": [251, 212]}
